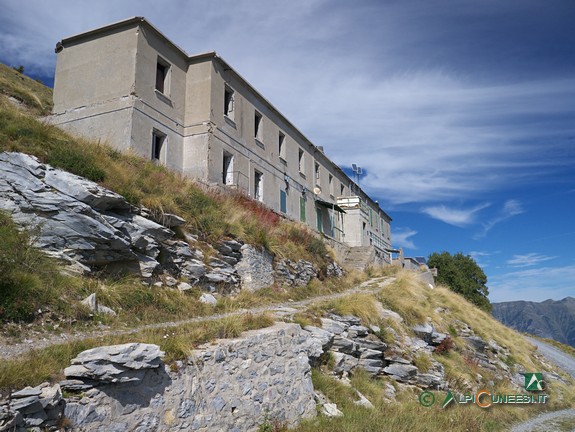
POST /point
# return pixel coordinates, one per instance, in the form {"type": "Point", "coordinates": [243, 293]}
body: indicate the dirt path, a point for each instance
{"type": "Point", "coordinates": [558, 420]}
{"type": "Point", "coordinates": [279, 310]}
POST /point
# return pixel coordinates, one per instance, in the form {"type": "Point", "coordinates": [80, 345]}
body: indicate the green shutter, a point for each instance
{"type": "Point", "coordinates": [302, 209]}
{"type": "Point", "coordinates": [319, 220]}
{"type": "Point", "coordinates": [283, 201]}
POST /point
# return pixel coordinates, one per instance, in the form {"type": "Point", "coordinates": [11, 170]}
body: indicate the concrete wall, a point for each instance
{"type": "Point", "coordinates": [106, 90]}
{"type": "Point", "coordinates": [93, 87]}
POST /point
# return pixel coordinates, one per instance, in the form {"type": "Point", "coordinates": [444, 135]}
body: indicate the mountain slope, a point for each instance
{"type": "Point", "coordinates": [549, 319]}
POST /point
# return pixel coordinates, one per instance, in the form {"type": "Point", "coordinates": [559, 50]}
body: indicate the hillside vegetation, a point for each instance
{"type": "Point", "coordinates": [447, 312]}
{"type": "Point", "coordinates": [33, 289]}
{"type": "Point", "coordinates": [31, 285]}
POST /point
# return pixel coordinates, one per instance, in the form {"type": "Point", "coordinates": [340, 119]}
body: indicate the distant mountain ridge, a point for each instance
{"type": "Point", "coordinates": [554, 319]}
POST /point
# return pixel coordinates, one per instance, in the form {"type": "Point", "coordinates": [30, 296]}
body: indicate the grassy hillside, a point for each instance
{"type": "Point", "coordinates": [210, 216]}
{"type": "Point", "coordinates": [32, 289]}
{"type": "Point", "coordinates": [446, 310]}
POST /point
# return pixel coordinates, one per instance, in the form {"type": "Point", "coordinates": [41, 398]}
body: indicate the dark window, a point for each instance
{"type": "Point", "coordinates": [300, 161]}
{"type": "Point", "coordinates": [257, 124]}
{"type": "Point", "coordinates": [228, 102]}
{"type": "Point", "coordinates": [158, 140]}
{"type": "Point", "coordinates": [317, 172]}
{"type": "Point", "coordinates": [162, 76]}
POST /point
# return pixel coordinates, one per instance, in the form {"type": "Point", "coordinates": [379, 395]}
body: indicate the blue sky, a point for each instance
{"type": "Point", "coordinates": [461, 112]}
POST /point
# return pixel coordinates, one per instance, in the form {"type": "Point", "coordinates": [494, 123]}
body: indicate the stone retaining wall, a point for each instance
{"type": "Point", "coordinates": [231, 385]}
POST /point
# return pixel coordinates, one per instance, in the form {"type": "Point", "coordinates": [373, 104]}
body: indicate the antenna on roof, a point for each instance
{"type": "Point", "coordinates": [358, 172]}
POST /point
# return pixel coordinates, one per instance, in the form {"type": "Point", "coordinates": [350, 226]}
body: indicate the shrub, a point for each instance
{"type": "Point", "coordinates": [445, 346]}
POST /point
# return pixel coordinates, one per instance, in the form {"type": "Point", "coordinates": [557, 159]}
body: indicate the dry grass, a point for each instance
{"type": "Point", "coordinates": [416, 303]}
{"type": "Point", "coordinates": [408, 415]}
{"type": "Point", "coordinates": [37, 366]}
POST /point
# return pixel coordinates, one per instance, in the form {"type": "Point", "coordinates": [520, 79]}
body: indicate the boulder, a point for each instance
{"type": "Point", "coordinates": [344, 362]}
{"type": "Point", "coordinates": [476, 343]}
{"type": "Point", "coordinates": [208, 299]}
{"type": "Point", "coordinates": [424, 332]}
{"type": "Point", "coordinates": [116, 363]}
{"type": "Point", "coordinates": [95, 307]}
{"type": "Point", "coordinates": [333, 326]}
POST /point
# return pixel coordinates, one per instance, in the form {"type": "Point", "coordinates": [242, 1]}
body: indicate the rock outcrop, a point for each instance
{"type": "Point", "coordinates": [32, 407]}
{"type": "Point", "coordinates": [92, 228]}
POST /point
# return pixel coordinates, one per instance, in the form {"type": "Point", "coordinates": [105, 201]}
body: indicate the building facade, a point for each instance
{"type": "Point", "coordinates": [129, 86]}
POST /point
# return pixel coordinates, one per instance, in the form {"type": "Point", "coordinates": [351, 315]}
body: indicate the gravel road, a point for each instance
{"type": "Point", "coordinates": [552, 421]}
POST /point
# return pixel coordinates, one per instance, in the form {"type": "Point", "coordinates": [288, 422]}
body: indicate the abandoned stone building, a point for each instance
{"type": "Point", "coordinates": [128, 85]}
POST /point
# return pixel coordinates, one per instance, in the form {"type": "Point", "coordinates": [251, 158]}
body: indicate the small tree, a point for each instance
{"type": "Point", "coordinates": [462, 275]}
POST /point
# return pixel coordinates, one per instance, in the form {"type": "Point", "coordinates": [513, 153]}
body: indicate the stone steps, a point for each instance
{"type": "Point", "coordinates": [359, 257]}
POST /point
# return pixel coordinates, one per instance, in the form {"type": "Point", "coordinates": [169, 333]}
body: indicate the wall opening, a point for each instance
{"type": "Point", "coordinates": [228, 169]}
{"type": "Point", "coordinates": [162, 75]}
{"type": "Point", "coordinates": [281, 146]}
{"type": "Point", "coordinates": [257, 125]}
{"type": "Point", "coordinates": [229, 103]}
{"type": "Point", "coordinates": [158, 145]}
{"type": "Point", "coordinates": [283, 201]}
{"type": "Point", "coordinates": [258, 185]}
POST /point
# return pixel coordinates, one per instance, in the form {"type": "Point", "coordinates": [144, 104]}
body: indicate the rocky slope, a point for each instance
{"type": "Point", "coordinates": [92, 229]}
{"type": "Point", "coordinates": [549, 319]}
{"type": "Point", "coordinates": [240, 384]}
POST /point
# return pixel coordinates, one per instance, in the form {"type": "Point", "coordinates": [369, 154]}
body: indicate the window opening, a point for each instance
{"type": "Point", "coordinates": [281, 145]}
{"type": "Point", "coordinates": [228, 168]}
{"type": "Point", "coordinates": [258, 185]}
{"type": "Point", "coordinates": [228, 102]}
{"type": "Point", "coordinates": [158, 140]}
{"type": "Point", "coordinates": [257, 124]}
{"type": "Point", "coordinates": [162, 69]}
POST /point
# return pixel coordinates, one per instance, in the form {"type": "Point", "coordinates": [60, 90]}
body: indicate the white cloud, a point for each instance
{"type": "Point", "coordinates": [537, 284]}
{"type": "Point", "coordinates": [482, 257]}
{"type": "Point", "coordinates": [510, 208]}
{"type": "Point", "coordinates": [457, 217]}
{"type": "Point", "coordinates": [528, 260]}
{"type": "Point", "coordinates": [423, 132]}
{"type": "Point", "coordinates": [401, 237]}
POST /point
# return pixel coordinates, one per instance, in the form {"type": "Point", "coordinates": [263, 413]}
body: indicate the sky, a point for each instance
{"type": "Point", "coordinates": [460, 112]}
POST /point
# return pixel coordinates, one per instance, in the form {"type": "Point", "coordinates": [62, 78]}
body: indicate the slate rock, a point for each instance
{"type": "Point", "coordinates": [401, 372]}
{"type": "Point", "coordinates": [324, 337]}
{"type": "Point", "coordinates": [332, 326]}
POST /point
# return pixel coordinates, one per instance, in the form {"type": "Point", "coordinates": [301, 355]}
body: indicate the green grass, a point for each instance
{"type": "Point", "coordinates": [35, 96]}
